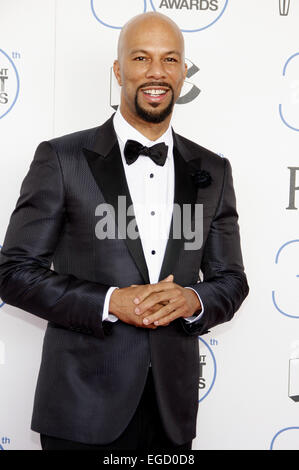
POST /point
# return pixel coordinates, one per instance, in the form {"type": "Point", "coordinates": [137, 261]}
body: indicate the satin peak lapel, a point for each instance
{"type": "Point", "coordinates": [185, 192]}
{"type": "Point", "coordinates": [106, 166]}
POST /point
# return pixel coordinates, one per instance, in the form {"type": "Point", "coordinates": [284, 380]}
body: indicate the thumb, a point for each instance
{"type": "Point", "coordinates": [168, 278]}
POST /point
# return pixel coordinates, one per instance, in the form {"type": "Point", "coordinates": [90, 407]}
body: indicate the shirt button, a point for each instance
{"type": "Point", "coordinates": [153, 252]}
{"type": "Point", "coordinates": [151, 175]}
{"type": "Point", "coordinates": [152, 212]}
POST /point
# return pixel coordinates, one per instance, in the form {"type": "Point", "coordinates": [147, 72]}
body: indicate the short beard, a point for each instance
{"type": "Point", "coordinates": [152, 117]}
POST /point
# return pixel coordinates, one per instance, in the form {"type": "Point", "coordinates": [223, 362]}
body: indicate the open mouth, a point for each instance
{"type": "Point", "coordinates": [154, 94]}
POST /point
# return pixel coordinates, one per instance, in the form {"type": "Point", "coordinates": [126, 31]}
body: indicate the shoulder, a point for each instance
{"type": "Point", "coordinates": [193, 151]}
{"type": "Point", "coordinates": [74, 141]}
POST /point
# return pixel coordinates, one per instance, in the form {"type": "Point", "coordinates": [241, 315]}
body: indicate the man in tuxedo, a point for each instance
{"type": "Point", "coordinates": [120, 361]}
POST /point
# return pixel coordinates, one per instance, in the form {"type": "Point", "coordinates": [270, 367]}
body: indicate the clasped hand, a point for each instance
{"type": "Point", "coordinates": [153, 305]}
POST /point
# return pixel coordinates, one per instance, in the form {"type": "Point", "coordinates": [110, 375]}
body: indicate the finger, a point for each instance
{"type": "Point", "coordinates": [162, 312]}
{"type": "Point", "coordinates": [141, 325]}
{"type": "Point", "coordinates": [168, 278]}
{"type": "Point", "coordinates": [151, 288]}
{"type": "Point", "coordinates": [157, 298]}
{"type": "Point", "coordinates": [155, 308]}
{"type": "Point", "coordinates": [171, 317]}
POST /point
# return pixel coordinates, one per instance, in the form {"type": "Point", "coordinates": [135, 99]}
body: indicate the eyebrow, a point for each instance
{"type": "Point", "coordinates": [143, 51]}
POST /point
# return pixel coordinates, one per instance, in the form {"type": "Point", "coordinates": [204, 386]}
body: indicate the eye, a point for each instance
{"type": "Point", "coordinates": [170, 59]}
{"type": "Point", "coordinates": [140, 58]}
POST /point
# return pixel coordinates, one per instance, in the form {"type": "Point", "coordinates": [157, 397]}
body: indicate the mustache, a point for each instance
{"type": "Point", "coordinates": [148, 84]}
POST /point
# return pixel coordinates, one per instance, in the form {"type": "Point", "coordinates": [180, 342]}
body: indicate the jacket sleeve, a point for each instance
{"type": "Point", "coordinates": [26, 278]}
{"type": "Point", "coordinates": [224, 285]}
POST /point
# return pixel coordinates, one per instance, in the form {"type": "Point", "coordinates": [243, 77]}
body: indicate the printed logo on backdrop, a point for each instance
{"type": "Point", "coordinates": [207, 368]}
{"type": "Point", "coordinates": [294, 175]}
{"type": "Point", "coordinates": [9, 84]}
{"type": "Point", "coordinates": [190, 15]}
{"type": "Point", "coordinates": [286, 439]}
{"type": "Point", "coordinates": [115, 13]}
{"type": "Point", "coordinates": [293, 391]}
{"type": "Point", "coordinates": [189, 91]}
{"type": "Point", "coordinates": [284, 7]}
{"type": "Point", "coordinates": [285, 298]}
{"type": "Point", "coordinates": [4, 441]}
{"type": "Point", "coordinates": [289, 109]}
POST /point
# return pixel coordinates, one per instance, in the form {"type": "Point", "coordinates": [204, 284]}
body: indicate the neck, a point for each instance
{"type": "Point", "coordinates": [151, 131]}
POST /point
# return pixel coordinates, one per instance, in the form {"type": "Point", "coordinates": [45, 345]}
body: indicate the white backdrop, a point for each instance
{"type": "Point", "coordinates": [55, 63]}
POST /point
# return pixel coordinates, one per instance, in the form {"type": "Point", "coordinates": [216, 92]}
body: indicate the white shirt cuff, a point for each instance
{"type": "Point", "coordinates": [195, 317]}
{"type": "Point", "coordinates": [106, 315]}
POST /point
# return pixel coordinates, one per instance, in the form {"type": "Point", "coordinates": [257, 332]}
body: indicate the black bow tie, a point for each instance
{"type": "Point", "coordinates": [157, 152]}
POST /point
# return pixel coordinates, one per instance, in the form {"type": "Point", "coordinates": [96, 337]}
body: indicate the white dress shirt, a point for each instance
{"type": "Point", "coordinates": [152, 192]}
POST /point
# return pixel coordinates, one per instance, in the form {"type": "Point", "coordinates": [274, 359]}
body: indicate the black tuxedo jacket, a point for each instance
{"type": "Point", "coordinates": [93, 373]}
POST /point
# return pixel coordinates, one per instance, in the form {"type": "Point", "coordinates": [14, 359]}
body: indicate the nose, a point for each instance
{"type": "Point", "coordinates": [156, 70]}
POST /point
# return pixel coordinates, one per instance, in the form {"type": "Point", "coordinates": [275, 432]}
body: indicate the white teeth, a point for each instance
{"type": "Point", "coordinates": [155, 92]}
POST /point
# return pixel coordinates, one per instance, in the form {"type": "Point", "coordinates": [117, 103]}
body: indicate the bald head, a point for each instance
{"type": "Point", "coordinates": [148, 22]}
{"type": "Point", "coordinates": [150, 69]}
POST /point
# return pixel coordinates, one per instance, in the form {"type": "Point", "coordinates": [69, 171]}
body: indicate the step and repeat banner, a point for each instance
{"type": "Point", "coordinates": [241, 100]}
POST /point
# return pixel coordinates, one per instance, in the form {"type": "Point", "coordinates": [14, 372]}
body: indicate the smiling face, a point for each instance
{"type": "Point", "coordinates": [150, 68]}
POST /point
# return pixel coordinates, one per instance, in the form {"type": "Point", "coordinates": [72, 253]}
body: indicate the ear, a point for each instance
{"type": "Point", "coordinates": [116, 70]}
{"type": "Point", "coordinates": [186, 70]}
